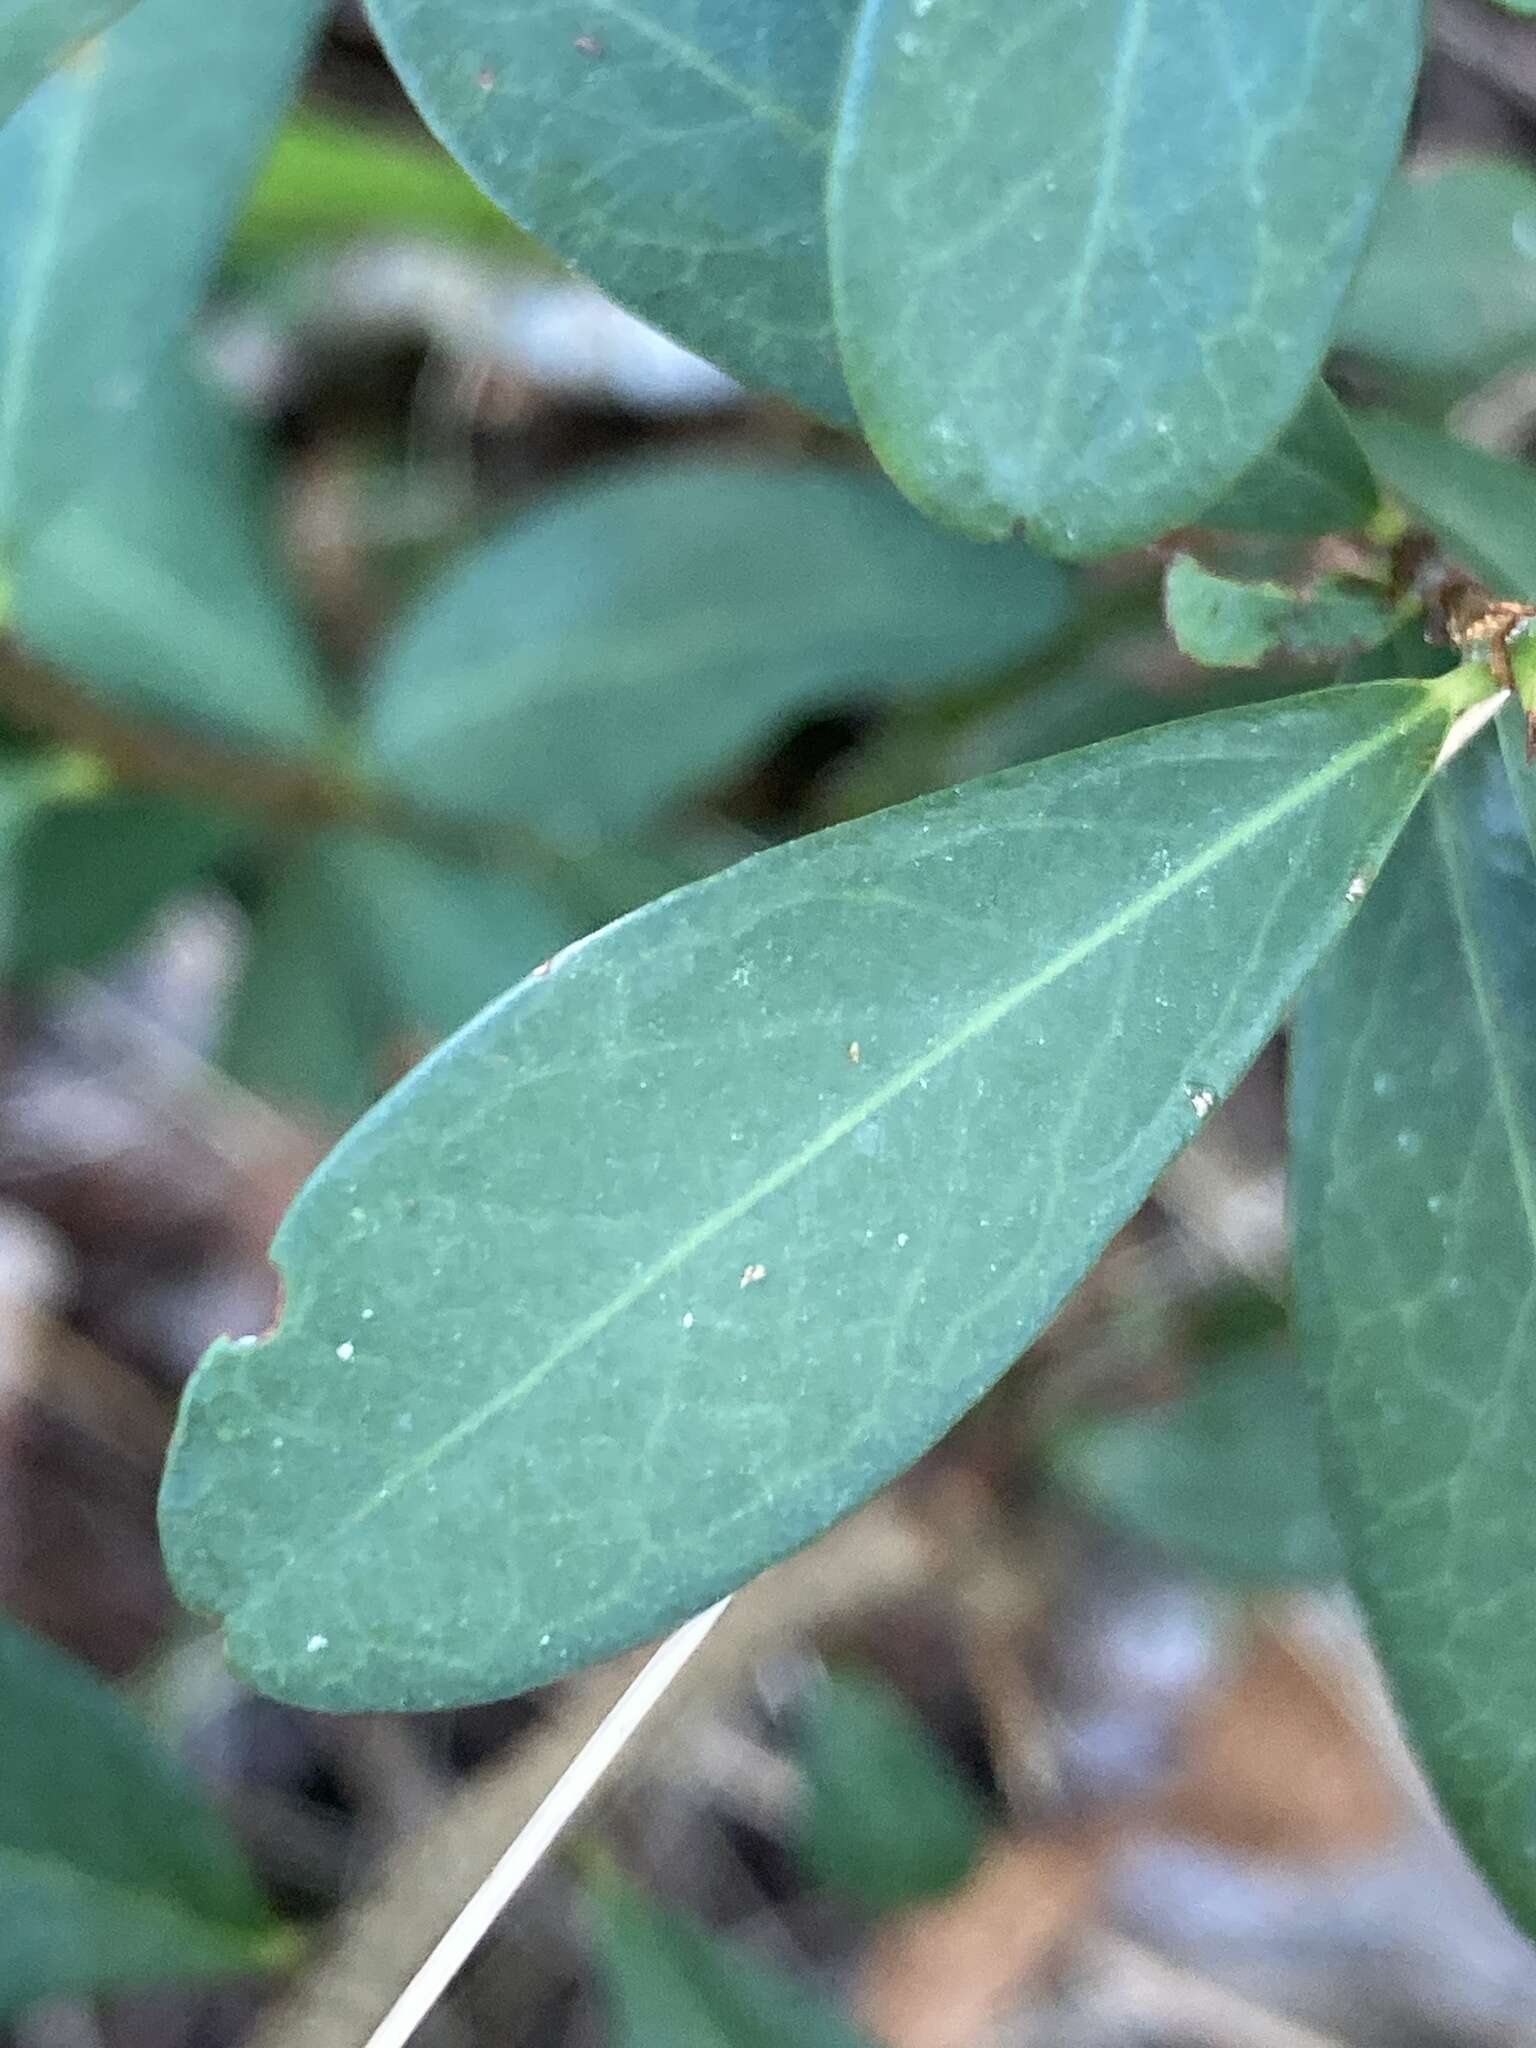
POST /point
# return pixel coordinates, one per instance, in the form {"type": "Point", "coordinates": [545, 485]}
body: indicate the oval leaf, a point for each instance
{"type": "Point", "coordinates": [670, 1980]}
{"type": "Point", "coordinates": [37, 35]}
{"type": "Point", "coordinates": [889, 1821]}
{"type": "Point", "coordinates": [599, 661]}
{"type": "Point", "coordinates": [674, 151]}
{"type": "Point", "coordinates": [1103, 285]}
{"type": "Point", "coordinates": [1414, 1132]}
{"type": "Point", "coordinates": [1227, 1476]}
{"type": "Point", "coordinates": [113, 1871]}
{"type": "Point", "coordinates": [673, 1256]}
{"type": "Point", "coordinates": [99, 270]}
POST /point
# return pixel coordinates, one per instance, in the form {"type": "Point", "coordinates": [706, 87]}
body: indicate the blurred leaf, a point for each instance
{"type": "Point", "coordinates": [309, 1019]}
{"type": "Point", "coordinates": [1229, 624]}
{"type": "Point", "coordinates": [673, 151]}
{"type": "Point", "coordinates": [545, 1392]}
{"type": "Point", "coordinates": [671, 1982]}
{"type": "Point", "coordinates": [1448, 284]}
{"type": "Point", "coordinates": [1315, 479]}
{"type": "Point", "coordinates": [118, 182]}
{"type": "Point", "coordinates": [630, 642]}
{"type": "Point", "coordinates": [1414, 1125]}
{"type": "Point", "coordinates": [113, 1871]}
{"type": "Point", "coordinates": [1480, 507]}
{"type": "Point", "coordinates": [447, 938]}
{"type": "Point", "coordinates": [1132, 244]}
{"type": "Point", "coordinates": [36, 36]}
{"type": "Point", "coordinates": [890, 1821]}
{"type": "Point", "coordinates": [1227, 1476]}
{"type": "Point", "coordinates": [329, 180]}
{"type": "Point", "coordinates": [91, 874]}
{"type": "Point", "coordinates": [159, 589]}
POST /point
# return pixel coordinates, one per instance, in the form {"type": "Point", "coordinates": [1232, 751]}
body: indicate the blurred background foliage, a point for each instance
{"type": "Point", "coordinates": [430, 612]}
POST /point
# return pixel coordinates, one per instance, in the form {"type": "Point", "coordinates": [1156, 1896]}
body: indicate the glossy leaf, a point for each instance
{"type": "Point", "coordinates": [675, 151]}
{"type": "Point", "coordinates": [695, 1239]}
{"type": "Point", "coordinates": [1227, 1476]}
{"type": "Point", "coordinates": [633, 640]}
{"type": "Point", "coordinates": [1230, 624]}
{"type": "Point", "coordinates": [1448, 285]}
{"type": "Point", "coordinates": [309, 1020]}
{"type": "Point", "coordinates": [113, 1871]}
{"type": "Point", "coordinates": [1104, 283]}
{"type": "Point", "coordinates": [888, 1821]}
{"type": "Point", "coordinates": [1314, 480]}
{"type": "Point", "coordinates": [101, 270]}
{"type": "Point", "coordinates": [36, 36]}
{"type": "Point", "coordinates": [1414, 1111]}
{"type": "Point", "coordinates": [158, 589]}
{"type": "Point", "coordinates": [670, 1980]}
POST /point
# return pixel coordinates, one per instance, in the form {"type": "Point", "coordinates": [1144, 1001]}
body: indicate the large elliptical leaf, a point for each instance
{"type": "Point", "coordinates": [113, 1871]}
{"type": "Point", "coordinates": [1414, 1120]}
{"type": "Point", "coordinates": [682, 1249]}
{"type": "Point", "coordinates": [1085, 259]}
{"type": "Point", "coordinates": [591, 665]}
{"type": "Point", "coordinates": [118, 183]}
{"type": "Point", "coordinates": [37, 35]}
{"type": "Point", "coordinates": [674, 150]}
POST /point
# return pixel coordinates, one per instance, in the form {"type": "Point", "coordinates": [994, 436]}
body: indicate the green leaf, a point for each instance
{"type": "Point", "coordinates": [670, 1981]}
{"type": "Point", "coordinates": [675, 151]}
{"type": "Point", "coordinates": [113, 1870]}
{"type": "Point", "coordinates": [1104, 284]}
{"type": "Point", "coordinates": [159, 590]}
{"type": "Point", "coordinates": [1414, 1112]}
{"type": "Point", "coordinates": [1315, 479]}
{"type": "Point", "coordinates": [694, 1240]}
{"type": "Point", "coordinates": [36, 36]}
{"type": "Point", "coordinates": [329, 180]}
{"type": "Point", "coordinates": [1447, 288]}
{"type": "Point", "coordinates": [614, 653]}
{"type": "Point", "coordinates": [89, 874]}
{"type": "Point", "coordinates": [889, 1821]}
{"type": "Point", "coordinates": [1229, 624]}
{"type": "Point", "coordinates": [1227, 1476]}
{"type": "Point", "coordinates": [1480, 507]}
{"type": "Point", "coordinates": [446, 938]}
{"type": "Point", "coordinates": [100, 271]}
{"type": "Point", "coordinates": [309, 1019]}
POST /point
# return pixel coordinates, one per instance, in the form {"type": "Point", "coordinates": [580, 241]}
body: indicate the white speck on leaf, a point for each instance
{"type": "Point", "coordinates": [346, 1351]}
{"type": "Point", "coordinates": [1202, 1100]}
{"type": "Point", "coordinates": [854, 1053]}
{"type": "Point", "coordinates": [1358, 885]}
{"type": "Point", "coordinates": [317, 1643]}
{"type": "Point", "coordinates": [688, 1320]}
{"type": "Point", "coordinates": [752, 1274]}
